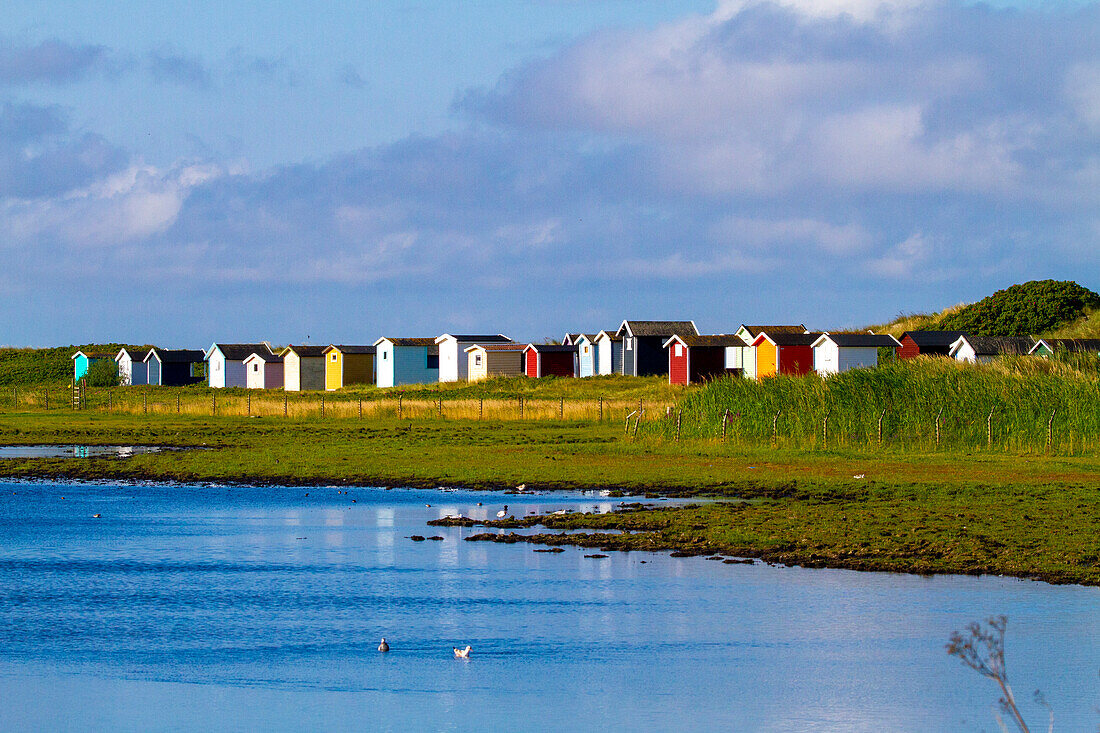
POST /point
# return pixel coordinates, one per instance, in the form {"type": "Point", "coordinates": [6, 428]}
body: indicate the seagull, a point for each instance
{"type": "Point", "coordinates": [559, 512]}
{"type": "Point", "coordinates": [503, 512]}
{"type": "Point", "coordinates": [522, 487]}
{"type": "Point", "coordinates": [462, 653]}
{"type": "Point", "coordinates": [383, 647]}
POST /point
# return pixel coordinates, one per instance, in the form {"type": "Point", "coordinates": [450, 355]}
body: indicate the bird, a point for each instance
{"type": "Point", "coordinates": [522, 487]}
{"type": "Point", "coordinates": [429, 506]}
{"type": "Point", "coordinates": [559, 512]}
{"type": "Point", "coordinates": [503, 512]}
{"type": "Point", "coordinates": [383, 647]}
{"type": "Point", "coordinates": [860, 475]}
{"type": "Point", "coordinates": [95, 516]}
{"type": "Point", "coordinates": [462, 653]}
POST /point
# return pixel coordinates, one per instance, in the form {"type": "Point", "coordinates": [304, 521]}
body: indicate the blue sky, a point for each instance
{"type": "Point", "coordinates": [180, 173]}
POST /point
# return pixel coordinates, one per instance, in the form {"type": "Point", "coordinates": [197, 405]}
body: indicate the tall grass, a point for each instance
{"type": "Point", "coordinates": [1022, 394]}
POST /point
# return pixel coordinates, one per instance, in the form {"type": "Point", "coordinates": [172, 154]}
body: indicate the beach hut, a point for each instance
{"type": "Point", "coordinates": [838, 352]}
{"type": "Point", "coordinates": [643, 345]}
{"type": "Point", "coordinates": [406, 361]}
{"type": "Point", "coordinates": [745, 358]}
{"type": "Point", "coordinates": [303, 368]}
{"type": "Point", "coordinates": [609, 352]}
{"type": "Point", "coordinates": [494, 360]}
{"type": "Point", "coordinates": [784, 352]}
{"type": "Point", "coordinates": [984, 349]}
{"type": "Point", "coordinates": [225, 363]}
{"type": "Point", "coordinates": [346, 365]}
{"type": "Point", "coordinates": [548, 360]}
{"type": "Point", "coordinates": [452, 353]}
{"type": "Point", "coordinates": [83, 360]}
{"type": "Point", "coordinates": [927, 343]}
{"type": "Point", "coordinates": [264, 371]}
{"type": "Point", "coordinates": [131, 366]}
{"type": "Point", "coordinates": [586, 354]}
{"type": "Point", "coordinates": [693, 359]}
{"type": "Point", "coordinates": [1050, 347]}
{"type": "Point", "coordinates": [174, 367]}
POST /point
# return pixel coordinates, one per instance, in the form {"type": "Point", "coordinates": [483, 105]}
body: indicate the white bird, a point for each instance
{"type": "Point", "coordinates": [383, 647]}
{"type": "Point", "coordinates": [860, 475]}
{"type": "Point", "coordinates": [503, 512]}
{"type": "Point", "coordinates": [522, 487]}
{"type": "Point", "coordinates": [560, 512]}
{"type": "Point", "coordinates": [462, 653]}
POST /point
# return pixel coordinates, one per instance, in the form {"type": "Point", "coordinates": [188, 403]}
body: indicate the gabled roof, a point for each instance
{"type": "Point", "coordinates": [263, 356]}
{"type": "Point", "coordinates": [755, 331]}
{"type": "Point", "coordinates": [428, 343]}
{"type": "Point", "coordinates": [345, 349]}
{"type": "Point", "coordinates": [716, 340]}
{"type": "Point", "coordinates": [663, 329]}
{"type": "Point", "coordinates": [786, 338]}
{"type": "Point", "coordinates": [1073, 346]}
{"type": "Point", "coordinates": [239, 352]}
{"type": "Point", "coordinates": [496, 347]}
{"type": "Point", "coordinates": [175, 356]}
{"type": "Point", "coordinates": [549, 348]}
{"type": "Point", "coordinates": [995, 345]}
{"type": "Point", "coordinates": [927, 339]}
{"type": "Point", "coordinates": [493, 338]}
{"type": "Point", "coordinates": [610, 335]}
{"type": "Point", "coordinates": [304, 351]}
{"type": "Point", "coordinates": [859, 340]}
{"type": "Point", "coordinates": [135, 353]}
{"type": "Point", "coordinates": [93, 355]}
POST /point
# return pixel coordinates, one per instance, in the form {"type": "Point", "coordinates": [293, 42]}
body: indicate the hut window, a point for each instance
{"type": "Point", "coordinates": [433, 361]}
{"type": "Point", "coordinates": [385, 355]}
{"type": "Point", "coordinates": [333, 357]}
{"type": "Point", "coordinates": [477, 360]}
{"type": "Point", "coordinates": [586, 349]}
{"type": "Point", "coordinates": [679, 349]}
{"type": "Point", "coordinates": [255, 367]}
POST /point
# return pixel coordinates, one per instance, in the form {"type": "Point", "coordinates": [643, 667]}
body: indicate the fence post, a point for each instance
{"type": "Point", "coordinates": [775, 428]}
{"type": "Point", "coordinates": [248, 400]}
{"type": "Point", "coordinates": [286, 400]}
{"type": "Point", "coordinates": [679, 413]}
{"type": "Point", "coordinates": [177, 403]}
{"type": "Point", "coordinates": [480, 408]}
{"type": "Point", "coordinates": [825, 430]}
{"type": "Point", "coordinates": [880, 426]}
{"type": "Point", "coordinates": [360, 407]}
{"type": "Point", "coordinates": [400, 407]}
{"type": "Point", "coordinates": [214, 403]}
{"type": "Point", "coordinates": [47, 398]}
{"type": "Point", "coordinates": [989, 428]}
{"type": "Point", "coordinates": [637, 422]}
{"type": "Point", "coordinates": [521, 407]}
{"type": "Point", "coordinates": [601, 408]}
{"type": "Point", "coordinates": [626, 428]}
{"type": "Point", "coordinates": [439, 409]}
{"type": "Point", "coordinates": [111, 401]}
{"type": "Point", "coordinates": [322, 405]}
{"type": "Point", "coordinates": [561, 408]}
{"type": "Point", "coordinates": [144, 403]}
{"type": "Point", "coordinates": [1050, 429]}
{"type": "Point", "coordinates": [938, 416]}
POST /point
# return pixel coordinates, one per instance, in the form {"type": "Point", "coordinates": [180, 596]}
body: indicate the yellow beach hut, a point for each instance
{"type": "Point", "coordinates": [347, 365]}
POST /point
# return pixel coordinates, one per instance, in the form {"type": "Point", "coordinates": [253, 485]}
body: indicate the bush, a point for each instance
{"type": "Point", "coordinates": [1035, 307]}
{"type": "Point", "coordinates": [102, 373]}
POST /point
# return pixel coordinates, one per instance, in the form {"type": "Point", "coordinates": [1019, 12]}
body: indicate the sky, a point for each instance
{"type": "Point", "coordinates": [182, 173]}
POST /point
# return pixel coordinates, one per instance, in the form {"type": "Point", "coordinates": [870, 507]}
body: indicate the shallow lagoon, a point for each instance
{"type": "Point", "coordinates": [215, 607]}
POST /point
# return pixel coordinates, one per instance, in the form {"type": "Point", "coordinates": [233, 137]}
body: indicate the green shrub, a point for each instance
{"type": "Point", "coordinates": [103, 373]}
{"type": "Point", "coordinates": [1032, 308]}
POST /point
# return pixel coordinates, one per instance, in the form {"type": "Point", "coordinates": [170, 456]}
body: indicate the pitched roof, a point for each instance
{"type": "Point", "coordinates": [497, 347]}
{"type": "Point", "coordinates": [658, 328]}
{"type": "Point", "coordinates": [240, 352]}
{"type": "Point", "coordinates": [266, 356]}
{"type": "Point", "coordinates": [718, 339]}
{"type": "Point", "coordinates": [176, 356]}
{"type": "Point", "coordinates": [491, 338]}
{"type": "Point", "coordinates": [306, 351]}
{"type": "Point", "coordinates": [999, 345]}
{"type": "Point", "coordinates": [860, 340]}
{"type": "Point", "coordinates": [345, 349]}
{"type": "Point", "coordinates": [787, 338]}
{"type": "Point", "coordinates": [136, 353]}
{"type": "Point", "coordinates": [1071, 345]}
{"type": "Point", "coordinates": [549, 348]}
{"type": "Point", "coordinates": [93, 355]}
{"type": "Point", "coordinates": [611, 335]}
{"type": "Point", "coordinates": [408, 341]}
{"type": "Point", "coordinates": [755, 331]}
{"type": "Point", "coordinates": [927, 339]}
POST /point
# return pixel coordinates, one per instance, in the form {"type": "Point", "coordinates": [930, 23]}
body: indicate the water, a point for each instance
{"type": "Point", "coordinates": [78, 451]}
{"type": "Point", "coordinates": [227, 608]}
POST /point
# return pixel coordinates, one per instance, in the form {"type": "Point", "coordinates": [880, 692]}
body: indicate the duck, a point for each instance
{"type": "Point", "coordinates": [383, 647]}
{"type": "Point", "coordinates": [503, 512]}
{"type": "Point", "coordinates": [462, 653]}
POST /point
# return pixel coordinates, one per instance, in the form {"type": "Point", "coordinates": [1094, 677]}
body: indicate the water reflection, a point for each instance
{"type": "Point", "coordinates": [79, 451]}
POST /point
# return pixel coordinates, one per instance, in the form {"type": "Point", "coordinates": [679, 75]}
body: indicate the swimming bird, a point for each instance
{"type": "Point", "coordinates": [428, 506]}
{"type": "Point", "coordinates": [95, 516]}
{"type": "Point", "coordinates": [503, 512]}
{"type": "Point", "coordinates": [383, 647]}
{"type": "Point", "coordinates": [462, 653]}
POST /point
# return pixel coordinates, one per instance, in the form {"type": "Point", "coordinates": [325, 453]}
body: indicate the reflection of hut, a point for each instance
{"type": "Point", "coordinates": [693, 359]}
{"type": "Point", "coordinates": [303, 368]}
{"type": "Point", "coordinates": [406, 361]}
{"type": "Point", "coordinates": [484, 361]}
{"type": "Point", "coordinates": [347, 365]}
{"type": "Point", "coordinates": [839, 352]}
{"type": "Point", "coordinates": [264, 371]}
{"type": "Point", "coordinates": [927, 343]}
{"type": "Point", "coordinates": [784, 353]}
{"type": "Point", "coordinates": [174, 367]}
{"type": "Point", "coordinates": [131, 366]}
{"type": "Point", "coordinates": [984, 349]}
{"type": "Point", "coordinates": [82, 361]}
{"type": "Point", "coordinates": [548, 360]}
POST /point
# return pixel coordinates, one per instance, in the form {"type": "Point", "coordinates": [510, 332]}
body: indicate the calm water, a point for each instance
{"type": "Point", "coordinates": [215, 608]}
{"type": "Point", "coordinates": [77, 451]}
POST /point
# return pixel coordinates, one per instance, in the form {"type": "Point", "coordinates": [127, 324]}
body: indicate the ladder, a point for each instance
{"type": "Point", "coordinates": [78, 395]}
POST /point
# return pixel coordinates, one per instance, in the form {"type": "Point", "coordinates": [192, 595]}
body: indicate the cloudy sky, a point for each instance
{"type": "Point", "coordinates": [179, 173]}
